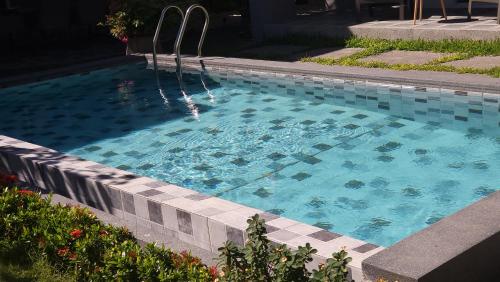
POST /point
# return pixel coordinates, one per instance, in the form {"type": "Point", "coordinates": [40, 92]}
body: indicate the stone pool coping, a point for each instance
{"type": "Point", "coordinates": [462, 82]}
{"type": "Point", "coordinates": [201, 220]}
{"type": "Point", "coordinates": [10, 81]}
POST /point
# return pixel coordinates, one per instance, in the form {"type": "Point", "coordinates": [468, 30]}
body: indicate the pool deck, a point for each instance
{"type": "Point", "coordinates": [431, 28]}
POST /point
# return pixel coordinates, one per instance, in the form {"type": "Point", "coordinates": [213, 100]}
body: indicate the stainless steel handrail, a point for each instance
{"type": "Point", "coordinates": [183, 29]}
{"type": "Point", "coordinates": [158, 28]}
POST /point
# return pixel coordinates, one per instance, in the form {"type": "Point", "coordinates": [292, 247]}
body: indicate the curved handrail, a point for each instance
{"type": "Point", "coordinates": [183, 29]}
{"type": "Point", "coordinates": [158, 28]}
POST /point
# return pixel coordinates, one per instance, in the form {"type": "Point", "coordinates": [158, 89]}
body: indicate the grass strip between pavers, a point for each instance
{"type": "Point", "coordinates": [458, 49]}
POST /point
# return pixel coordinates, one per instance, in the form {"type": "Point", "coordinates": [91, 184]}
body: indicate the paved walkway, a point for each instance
{"type": "Point", "coordinates": [431, 28]}
{"type": "Point", "coordinates": [296, 53]}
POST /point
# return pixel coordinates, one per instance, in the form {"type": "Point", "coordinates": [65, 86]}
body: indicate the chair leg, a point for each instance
{"type": "Point", "coordinates": [402, 7]}
{"type": "Point", "coordinates": [421, 2]}
{"type": "Point", "coordinates": [443, 8]}
{"type": "Point", "coordinates": [469, 10]}
{"type": "Point", "coordinates": [415, 11]}
{"type": "Point", "coordinates": [498, 14]}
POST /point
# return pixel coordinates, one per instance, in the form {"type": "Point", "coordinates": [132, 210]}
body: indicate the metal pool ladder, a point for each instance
{"type": "Point", "coordinates": [180, 35]}
{"type": "Point", "coordinates": [157, 33]}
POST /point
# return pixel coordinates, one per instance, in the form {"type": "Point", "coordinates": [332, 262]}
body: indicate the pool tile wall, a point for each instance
{"type": "Point", "coordinates": [145, 203]}
{"type": "Point", "coordinates": [450, 108]}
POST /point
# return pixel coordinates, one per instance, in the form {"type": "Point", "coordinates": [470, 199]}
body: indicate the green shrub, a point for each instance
{"type": "Point", "coordinates": [72, 239]}
{"type": "Point", "coordinates": [260, 260]}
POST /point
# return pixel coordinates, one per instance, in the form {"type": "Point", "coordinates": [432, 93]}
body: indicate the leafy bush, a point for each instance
{"type": "Point", "coordinates": [260, 260]}
{"type": "Point", "coordinates": [72, 239]}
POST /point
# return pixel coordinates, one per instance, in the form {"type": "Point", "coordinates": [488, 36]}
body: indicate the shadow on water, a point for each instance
{"type": "Point", "coordinates": [71, 112]}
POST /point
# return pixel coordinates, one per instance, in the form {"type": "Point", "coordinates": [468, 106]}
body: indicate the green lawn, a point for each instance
{"type": "Point", "coordinates": [14, 268]}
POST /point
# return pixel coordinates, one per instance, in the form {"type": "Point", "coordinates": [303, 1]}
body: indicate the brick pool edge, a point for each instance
{"type": "Point", "coordinates": [201, 220]}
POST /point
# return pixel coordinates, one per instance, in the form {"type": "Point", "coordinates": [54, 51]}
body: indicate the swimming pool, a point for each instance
{"type": "Point", "coordinates": [376, 162]}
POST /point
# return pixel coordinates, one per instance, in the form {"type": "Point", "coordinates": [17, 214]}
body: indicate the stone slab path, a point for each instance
{"type": "Point", "coordinates": [404, 57]}
{"type": "Point", "coordinates": [330, 53]}
{"type": "Point", "coordinates": [278, 51]}
{"type": "Point", "coordinates": [486, 62]}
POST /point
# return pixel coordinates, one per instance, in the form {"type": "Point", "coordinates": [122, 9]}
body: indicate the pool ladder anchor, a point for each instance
{"type": "Point", "coordinates": [180, 34]}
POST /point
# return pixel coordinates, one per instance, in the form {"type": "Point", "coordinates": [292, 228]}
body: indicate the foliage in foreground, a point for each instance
{"type": "Point", "coordinates": [260, 260]}
{"type": "Point", "coordinates": [70, 243]}
{"type": "Point", "coordinates": [72, 240]}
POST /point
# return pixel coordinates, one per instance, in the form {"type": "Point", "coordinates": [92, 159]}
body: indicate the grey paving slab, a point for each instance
{"type": "Point", "coordinates": [404, 57]}
{"type": "Point", "coordinates": [485, 62]}
{"type": "Point", "coordinates": [271, 51]}
{"type": "Point", "coordinates": [331, 53]}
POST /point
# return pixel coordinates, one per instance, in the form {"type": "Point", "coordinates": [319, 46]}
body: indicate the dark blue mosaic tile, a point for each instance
{"type": "Point", "coordinates": [212, 182]}
{"type": "Point", "coordinates": [262, 193]}
{"type": "Point", "coordinates": [360, 116]}
{"type": "Point", "coordinates": [322, 147]}
{"type": "Point", "coordinates": [276, 211]}
{"type": "Point", "coordinates": [482, 165]}
{"type": "Point", "coordinates": [301, 176]}
{"type": "Point", "coordinates": [385, 158]}
{"type": "Point", "coordinates": [93, 148]}
{"type": "Point", "coordinates": [354, 184]}
{"type": "Point", "coordinates": [176, 150]}
{"type": "Point", "coordinates": [238, 182]}
{"type": "Point", "coordinates": [277, 127]}
{"type": "Point", "coordinates": [379, 182]}
{"type": "Point", "coordinates": [240, 162]}
{"type": "Point", "coordinates": [277, 121]}
{"type": "Point", "coordinates": [268, 109]}
{"type": "Point", "coordinates": [296, 109]}
{"type": "Point", "coordinates": [351, 126]}
{"type": "Point", "coordinates": [337, 112]}
{"type": "Point", "coordinates": [265, 138]}
{"type": "Point", "coordinates": [395, 125]}
{"type": "Point", "coordinates": [411, 192]}
{"type": "Point", "coordinates": [316, 202]}
{"type": "Point", "coordinates": [433, 219]}
{"type": "Point", "coordinates": [390, 146]}
{"type": "Point", "coordinates": [219, 155]}
{"type": "Point", "coordinates": [421, 151]}
{"type": "Point", "coordinates": [483, 191]}
{"type": "Point", "coordinates": [109, 154]}
{"type": "Point", "coordinates": [134, 154]}
{"type": "Point", "coordinates": [249, 110]}
{"type": "Point", "coordinates": [349, 165]}
{"type": "Point", "coordinates": [276, 156]}
{"type": "Point", "coordinates": [308, 122]}
{"type": "Point", "coordinates": [146, 166]}
{"type": "Point", "coordinates": [202, 167]}
{"type": "Point", "coordinates": [306, 158]}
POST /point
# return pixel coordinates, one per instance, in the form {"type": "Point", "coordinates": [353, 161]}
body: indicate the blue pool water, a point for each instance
{"type": "Point", "coordinates": [376, 163]}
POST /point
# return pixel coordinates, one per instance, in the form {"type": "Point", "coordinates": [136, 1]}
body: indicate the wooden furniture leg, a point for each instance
{"type": "Point", "coordinates": [421, 8]}
{"type": "Point", "coordinates": [443, 8]}
{"type": "Point", "coordinates": [415, 11]}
